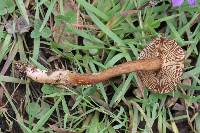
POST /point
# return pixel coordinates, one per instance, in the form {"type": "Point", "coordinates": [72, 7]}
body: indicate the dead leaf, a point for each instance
{"type": "Point", "coordinates": [17, 26]}
{"type": "Point", "coordinates": [178, 107]}
{"type": "Point", "coordinates": [171, 101]}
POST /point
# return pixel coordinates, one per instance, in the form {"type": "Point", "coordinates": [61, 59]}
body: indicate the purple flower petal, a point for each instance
{"type": "Point", "coordinates": [192, 2]}
{"type": "Point", "coordinates": [178, 2]}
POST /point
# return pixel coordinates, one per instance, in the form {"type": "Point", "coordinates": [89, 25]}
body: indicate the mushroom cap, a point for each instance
{"type": "Point", "coordinates": [172, 56]}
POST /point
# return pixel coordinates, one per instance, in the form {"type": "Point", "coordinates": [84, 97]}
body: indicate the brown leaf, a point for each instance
{"type": "Point", "coordinates": [179, 107]}
{"type": "Point", "coordinates": [171, 101]}
{"type": "Point", "coordinates": [1, 95]}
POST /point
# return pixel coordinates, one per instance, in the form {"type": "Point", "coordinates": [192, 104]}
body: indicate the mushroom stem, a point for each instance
{"type": "Point", "coordinates": [66, 77]}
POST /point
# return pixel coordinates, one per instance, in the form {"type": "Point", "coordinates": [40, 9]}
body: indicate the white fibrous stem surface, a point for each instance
{"type": "Point", "coordinates": [56, 77]}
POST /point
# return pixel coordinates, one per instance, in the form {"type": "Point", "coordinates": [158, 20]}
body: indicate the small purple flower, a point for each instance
{"type": "Point", "coordinates": [176, 3]}
{"type": "Point", "coordinates": [192, 2]}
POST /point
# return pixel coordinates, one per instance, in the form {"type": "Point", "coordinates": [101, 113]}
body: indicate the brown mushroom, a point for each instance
{"type": "Point", "coordinates": [159, 67]}
{"type": "Point", "coordinates": [172, 56]}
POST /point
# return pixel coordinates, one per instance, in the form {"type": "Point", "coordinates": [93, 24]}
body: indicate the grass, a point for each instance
{"type": "Point", "coordinates": [90, 36]}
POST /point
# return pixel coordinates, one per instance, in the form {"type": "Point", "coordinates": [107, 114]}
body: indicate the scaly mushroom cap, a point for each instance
{"type": "Point", "coordinates": [172, 56]}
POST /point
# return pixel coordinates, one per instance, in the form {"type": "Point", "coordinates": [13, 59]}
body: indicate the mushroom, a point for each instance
{"type": "Point", "coordinates": [159, 67]}
{"type": "Point", "coordinates": [172, 56]}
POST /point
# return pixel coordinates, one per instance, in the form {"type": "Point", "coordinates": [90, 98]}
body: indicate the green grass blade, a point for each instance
{"type": "Point", "coordinates": [22, 9]}
{"type": "Point", "coordinates": [19, 119]}
{"type": "Point", "coordinates": [5, 47]}
{"type": "Point", "coordinates": [11, 79]}
{"type": "Point", "coordinates": [44, 118]}
{"type": "Point", "coordinates": [49, 11]}
{"type": "Point", "coordinates": [93, 9]}
{"type": "Point", "coordinates": [36, 41]}
{"type": "Point", "coordinates": [120, 92]}
{"type": "Point", "coordinates": [100, 85]}
{"type": "Point", "coordinates": [108, 32]}
{"type": "Point", "coordinates": [175, 33]}
{"type": "Point", "coordinates": [115, 59]}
